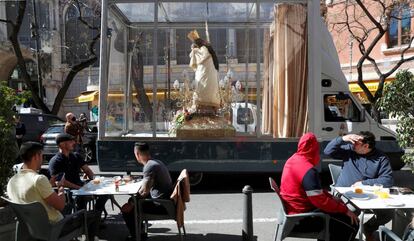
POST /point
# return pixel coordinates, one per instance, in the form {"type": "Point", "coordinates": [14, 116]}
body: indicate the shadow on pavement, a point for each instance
{"type": "Point", "coordinates": [199, 237]}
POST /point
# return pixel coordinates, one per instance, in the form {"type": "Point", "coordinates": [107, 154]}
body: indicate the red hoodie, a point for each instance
{"type": "Point", "coordinates": [300, 187]}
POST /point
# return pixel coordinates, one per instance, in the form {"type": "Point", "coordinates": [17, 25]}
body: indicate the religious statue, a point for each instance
{"type": "Point", "coordinates": [203, 60]}
{"type": "Point", "coordinates": [199, 117]}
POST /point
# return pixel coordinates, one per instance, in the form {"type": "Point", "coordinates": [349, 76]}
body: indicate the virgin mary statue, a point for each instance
{"type": "Point", "coordinates": [204, 62]}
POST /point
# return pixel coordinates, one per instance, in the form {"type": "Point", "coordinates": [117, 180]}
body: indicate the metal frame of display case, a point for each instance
{"type": "Point", "coordinates": [256, 153]}
{"type": "Point", "coordinates": [110, 5]}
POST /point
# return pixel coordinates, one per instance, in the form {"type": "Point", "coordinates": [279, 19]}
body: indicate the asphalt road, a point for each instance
{"type": "Point", "coordinates": [215, 211]}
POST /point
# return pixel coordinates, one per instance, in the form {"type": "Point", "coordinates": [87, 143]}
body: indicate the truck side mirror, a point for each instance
{"type": "Point", "coordinates": [363, 114]}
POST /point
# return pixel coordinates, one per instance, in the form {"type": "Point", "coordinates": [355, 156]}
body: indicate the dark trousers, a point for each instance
{"type": "Point", "coordinates": [82, 201]}
{"type": "Point", "coordinates": [381, 217]}
{"type": "Point", "coordinates": [93, 221]}
{"type": "Point", "coordinates": [340, 227]}
{"type": "Point", "coordinates": [148, 207]}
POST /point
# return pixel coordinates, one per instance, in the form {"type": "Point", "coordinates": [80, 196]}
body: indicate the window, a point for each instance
{"type": "Point", "coordinates": [244, 116]}
{"type": "Point", "coordinates": [218, 40]}
{"type": "Point", "coordinates": [340, 108]}
{"type": "Point", "coordinates": [147, 47]}
{"type": "Point", "coordinates": [400, 26]}
{"type": "Point", "coordinates": [246, 44]}
{"type": "Point", "coordinates": [78, 35]}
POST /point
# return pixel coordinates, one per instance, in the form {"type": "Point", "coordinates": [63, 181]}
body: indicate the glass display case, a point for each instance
{"type": "Point", "coordinates": [148, 88]}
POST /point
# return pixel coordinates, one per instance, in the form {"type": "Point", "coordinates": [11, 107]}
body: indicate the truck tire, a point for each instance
{"type": "Point", "coordinates": [88, 154]}
{"type": "Point", "coordinates": [195, 178]}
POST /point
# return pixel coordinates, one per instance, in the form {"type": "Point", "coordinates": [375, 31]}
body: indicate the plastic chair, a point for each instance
{"type": "Point", "coordinates": [387, 235]}
{"type": "Point", "coordinates": [286, 223]}
{"type": "Point", "coordinates": [33, 223]}
{"type": "Point", "coordinates": [335, 171]}
{"type": "Point", "coordinates": [167, 204]}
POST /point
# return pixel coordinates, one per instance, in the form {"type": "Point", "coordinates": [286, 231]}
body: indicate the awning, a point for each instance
{"type": "Point", "coordinates": [372, 87]}
{"type": "Point", "coordinates": [87, 96]}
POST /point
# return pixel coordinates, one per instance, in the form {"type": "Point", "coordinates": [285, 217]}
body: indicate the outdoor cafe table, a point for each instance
{"type": "Point", "coordinates": [106, 186]}
{"type": "Point", "coordinates": [371, 201]}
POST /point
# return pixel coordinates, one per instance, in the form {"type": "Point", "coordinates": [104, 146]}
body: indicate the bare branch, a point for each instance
{"type": "Point", "coordinates": [401, 61]}
{"type": "Point", "coordinates": [82, 19]}
{"type": "Point", "coordinates": [374, 63]}
{"type": "Point", "coordinates": [369, 15]}
{"type": "Point", "coordinates": [92, 44]}
{"type": "Point", "coordinates": [7, 21]}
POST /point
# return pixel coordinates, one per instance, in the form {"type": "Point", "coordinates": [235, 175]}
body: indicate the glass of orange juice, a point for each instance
{"type": "Point", "coordinates": [384, 193]}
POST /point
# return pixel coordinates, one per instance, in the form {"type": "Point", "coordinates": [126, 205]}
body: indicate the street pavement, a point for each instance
{"type": "Point", "coordinates": [215, 211]}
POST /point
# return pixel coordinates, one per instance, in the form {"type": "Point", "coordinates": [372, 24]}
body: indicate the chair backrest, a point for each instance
{"type": "Point", "coordinates": [34, 216]}
{"type": "Point", "coordinates": [281, 215]}
{"type": "Point", "coordinates": [273, 185]}
{"type": "Point", "coordinates": [17, 167]}
{"type": "Point", "coordinates": [335, 171]}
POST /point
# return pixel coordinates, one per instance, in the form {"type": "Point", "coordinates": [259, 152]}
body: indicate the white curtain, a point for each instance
{"type": "Point", "coordinates": [285, 104]}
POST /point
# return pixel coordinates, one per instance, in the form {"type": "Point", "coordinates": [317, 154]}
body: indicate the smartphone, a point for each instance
{"type": "Point", "coordinates": [394, 191]}
{"type": "Point", "coordinates": [405, 190]}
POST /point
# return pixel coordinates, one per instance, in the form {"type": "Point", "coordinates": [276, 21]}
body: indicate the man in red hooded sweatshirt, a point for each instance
{"type": "Point", "coordinates": [301, 192]}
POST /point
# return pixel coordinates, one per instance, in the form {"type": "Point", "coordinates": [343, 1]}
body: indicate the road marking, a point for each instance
{"type": "Point", "coordinates": [218, 221]}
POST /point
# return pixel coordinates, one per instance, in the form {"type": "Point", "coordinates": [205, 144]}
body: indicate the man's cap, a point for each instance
{"type": "Point", "coordinates": [64, 137]}
{"type": "Point", "coordinates": [29, 146]}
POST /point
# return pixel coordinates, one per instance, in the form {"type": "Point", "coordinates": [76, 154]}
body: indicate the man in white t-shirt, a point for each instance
{"type": "Point", "coordinates": [28, 186]}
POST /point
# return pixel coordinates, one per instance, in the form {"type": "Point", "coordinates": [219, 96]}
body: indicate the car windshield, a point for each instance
{"type": "Point", "coordinates": [55, 129]}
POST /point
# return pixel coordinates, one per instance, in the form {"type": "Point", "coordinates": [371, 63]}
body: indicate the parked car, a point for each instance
{"type": "Point", "coordinates": [89, 141]}
{"type": "Point", "coordinates": [36, 124]}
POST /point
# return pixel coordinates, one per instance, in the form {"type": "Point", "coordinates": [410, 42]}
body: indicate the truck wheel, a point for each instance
{"type": "Point", "coordinates": [88, 154]}
{"type": "Point", "coordinates": [195, 178]}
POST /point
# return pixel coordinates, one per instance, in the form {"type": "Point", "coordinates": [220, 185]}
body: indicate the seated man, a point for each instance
{"type": "Point", "coordinates": [70, 163]}
{"type": "Point", "coordinates": [156, 184]}
{"type": "Point", "coordinates": [301, 192]}
{"type": "Point", "coordinates": [362, 164]}
{"type": "Point", "coordinates": [28, 186]}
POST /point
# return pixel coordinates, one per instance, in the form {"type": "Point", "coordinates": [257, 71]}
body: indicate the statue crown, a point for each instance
{"type": "Point", "coordinates": [193, 35]}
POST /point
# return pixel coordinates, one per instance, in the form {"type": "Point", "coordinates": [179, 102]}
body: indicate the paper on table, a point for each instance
{"type": "Point", "coordinates": [393, 202]}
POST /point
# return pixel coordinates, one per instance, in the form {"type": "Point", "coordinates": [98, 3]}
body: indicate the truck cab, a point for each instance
{"type": "Point", "coordinates": [342, 112]}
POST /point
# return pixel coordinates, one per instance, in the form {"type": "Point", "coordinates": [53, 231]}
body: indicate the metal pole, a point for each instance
{"type": "Point", "coordinates": [36, 36]}
{"type": "Point", "coordinates": [103, 73]}
{"type": "Point", "coordinates": [247, 232]}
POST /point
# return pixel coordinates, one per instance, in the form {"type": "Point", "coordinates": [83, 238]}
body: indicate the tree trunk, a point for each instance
{"type": "Point", "coordinates": [21, 61]}
{"type": "Point", "coordinates": [68, 81]}
{"type": "Point", "coordinates": [137, 68]}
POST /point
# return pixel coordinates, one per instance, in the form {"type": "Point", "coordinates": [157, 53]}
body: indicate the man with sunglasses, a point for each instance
{"type": "Point", "coordinates": [363, 164]}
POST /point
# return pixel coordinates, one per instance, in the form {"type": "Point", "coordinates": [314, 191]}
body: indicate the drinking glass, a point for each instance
{"type": "Point", "coordinates": [377, 188]}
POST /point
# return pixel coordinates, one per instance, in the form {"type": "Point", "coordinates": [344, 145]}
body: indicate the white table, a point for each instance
{"type": "Point", "coordinates": [107, 187]}
{"type": "Point", "coordinates": [374, 202]}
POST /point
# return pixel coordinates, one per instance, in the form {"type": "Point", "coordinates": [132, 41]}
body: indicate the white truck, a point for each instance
{"type": "Point", "coordinates": [331, 108]}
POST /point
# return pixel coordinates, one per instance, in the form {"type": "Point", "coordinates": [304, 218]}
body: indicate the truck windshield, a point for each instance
{"type": "Point", "coordinates": [340, 108]}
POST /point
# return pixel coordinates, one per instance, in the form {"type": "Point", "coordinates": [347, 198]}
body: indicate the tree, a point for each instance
{"type": "Point", "coordinates": [398, 100]}
{"type": "Point", "coordinates": [74, 70]}
{"type": "Point", "coordinates": [367, 22]}
{"type": "Point", "coordinates": [8, 145]}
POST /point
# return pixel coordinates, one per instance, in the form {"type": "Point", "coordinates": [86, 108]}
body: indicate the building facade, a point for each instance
{"type": "Point", "coordinates": [386, 53]}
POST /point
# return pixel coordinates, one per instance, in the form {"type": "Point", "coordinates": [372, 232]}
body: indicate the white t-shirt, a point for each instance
{"type": "Point", "coordinates": [28, 186]}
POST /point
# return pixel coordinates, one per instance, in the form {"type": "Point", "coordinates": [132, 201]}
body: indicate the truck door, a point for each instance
{"type": "Point", "coordinates": [341, 116]}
